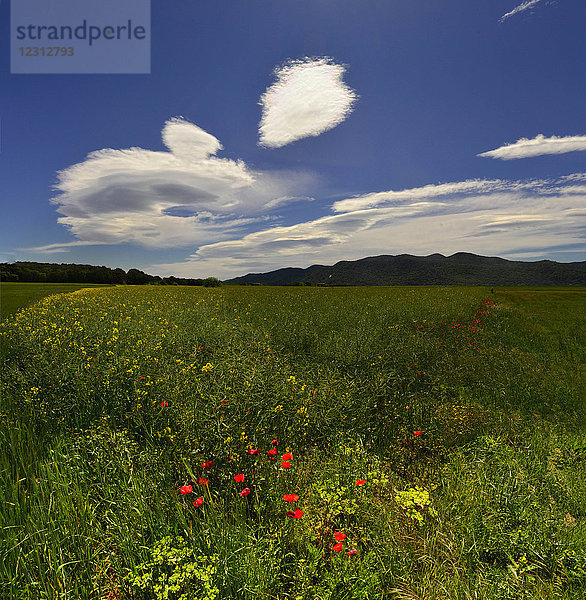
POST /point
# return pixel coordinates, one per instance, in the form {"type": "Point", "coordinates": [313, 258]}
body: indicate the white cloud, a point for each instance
{"type": "Point", "coordinates": [538, 146]}
{"type": "Point", "coordinates": [308, 98]}
{"type": "Point", "coordinates": [186, 196]}
{"type": "Point", "coordinates": [466, 188]}
{"type": "Point", "coordinates": [522, 7]}
{"type": "Point", "coordinates": [57, 248]}
{"type": "Point", "coordinates": [189, 141]}
{"type": "Point", "coordinates": [491, 217]}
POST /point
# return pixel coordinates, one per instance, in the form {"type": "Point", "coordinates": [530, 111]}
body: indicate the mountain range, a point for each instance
{"type": "Point", "coordinates": [461, 268]}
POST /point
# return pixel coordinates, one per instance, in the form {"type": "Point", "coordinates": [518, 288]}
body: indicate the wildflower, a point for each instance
{"type": "Point", "coordinates": [417, 432]}
{"type": "Point", "coordinates": [253, 451]}
{"type": "Point", "coordinates": [338, 547]}
{"type": "Point", "coordinates": [206, 465]}
{"type": "Point", "coordinates": [244, 492]}
{"type": "Point", "coordinates": [164, 403]}
{"type": "Point", "coordinates": [295, 515]}
{"type": "Point", "coordinates": [239, 478]}
{"type": "Point", "coordinates": [198, 502]}
{"type": "Point", "coordinates": [360, 482]}
{"type": "Point", "coordinates": [186, 489]}
{"type": "Point", "coordinates": [272, 452]}
{"type": "Point", "coordinates": [352, 552]}
{"type": "Point", "coordinates": [286, 465]}
{"type": "Point", "coordinates": [275, 442]}
{"type": "Point", "coordinates": [290, 497]}
{"type": "Point", "coordinates": [203, 481]}
{"type": "Point", "coordinates": [287, 456]}
{"type": "Point", "coordinates": [339, 536]}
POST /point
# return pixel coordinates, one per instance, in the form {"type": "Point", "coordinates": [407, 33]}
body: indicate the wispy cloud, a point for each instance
{"type": "Point", "coordinates": [308, 98]}
{"type": "Point", "coordinates": [522, 7]}
{"type": "Point", "coordinates": [494, 217]}
{"type": "Point", "coordinates": [538, 146]}
{"type": "Point", "coordinates": [58, 248]}
{"type": "Point", "coordinates": [186, 196]}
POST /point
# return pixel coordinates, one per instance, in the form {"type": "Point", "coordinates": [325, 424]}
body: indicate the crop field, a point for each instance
{"type": "Point", "coordinates": [14, 296]}
{"type": "Point", "coordinates": [177, 443]}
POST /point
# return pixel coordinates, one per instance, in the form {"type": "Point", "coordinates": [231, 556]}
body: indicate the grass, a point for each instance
{"type": "Point", "coordinates": [437, 434]}
{"type": "Point", "coordinates": [14, 296]}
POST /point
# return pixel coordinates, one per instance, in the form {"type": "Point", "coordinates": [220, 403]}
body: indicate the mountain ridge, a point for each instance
{"type": "Point", "coordinates": [461, 268]}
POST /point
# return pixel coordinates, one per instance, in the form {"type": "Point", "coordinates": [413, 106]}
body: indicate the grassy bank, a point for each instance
{"type": "Point", "coordinates": [294, 443]}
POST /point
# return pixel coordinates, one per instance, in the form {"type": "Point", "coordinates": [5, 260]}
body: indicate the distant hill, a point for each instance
{"type": "Point", "coordinates": [461, 268]}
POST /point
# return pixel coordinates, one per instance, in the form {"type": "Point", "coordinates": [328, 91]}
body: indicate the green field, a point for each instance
{"type": "Point", "coordinates": [294, 443]}
{"type": "Point", "coordinates": [14, 296]}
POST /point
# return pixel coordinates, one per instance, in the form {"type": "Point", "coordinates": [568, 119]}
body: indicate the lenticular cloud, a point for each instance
{"type": "Point", "coordinates": [308, 98]}
{"type": "Point", "coordinates": [522, 7]}
{"type": "Point", "coordinates": [165, 199]}
{"type": "Point", "coordinates": [538, 146]}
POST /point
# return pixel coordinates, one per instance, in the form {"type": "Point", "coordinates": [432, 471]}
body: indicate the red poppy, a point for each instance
{"type": "Point", "coordinates": [164, 403]}
{"type": "Point", "coordinates": [286, 465]}
{"type": "Point", "coordinates": [239, 478]}
{"type": "Point", "coordinates": [338, 547]}
{"type": "Point", "coordinates": [417, 432]}
{"type": "Point", "coordinates": [225, 402]}
{"type": "Point", "coordinates": [275, 442]}
{"type": "Point", "coordinates": [352, 552]}
{"type": "Point", "coordinates": [287, 456]}
{"type": "Point", "coordinates": [339, 536]}
{"type": "Point", "coordinates": [203, 481]}
{"type": "Point", "coordinates": [186, 489]}
{"type": "Point", "coordinates": [272, 452]}
{"type": "Point", "coordinates": [244, 492]}
{"type": "Point", "coordinates": [360, 482]}
{"type": "Point", "coordinates": [290, 497]}
{"type": "Point", "coordinates": [206, 465]}
{"type": "Point", "coordinates": [253, 451]}
{"type": "Point", "coordinates": [198, 502]}
{"type": "Point", "coordinates": [295, 515]}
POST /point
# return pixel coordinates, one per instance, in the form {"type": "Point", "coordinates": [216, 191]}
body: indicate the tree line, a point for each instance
{"type": "Point", "coordinates": [35, 272]}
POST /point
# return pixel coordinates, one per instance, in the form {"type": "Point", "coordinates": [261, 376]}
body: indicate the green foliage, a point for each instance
{"type": "Point", "coordinates": [176, 573]}
{"type": "Point", "coordinates": [344, 578]}
{"type": "Point", "coordinates": [89, 274]}
{"type": "Point", "coordinates": [335, 500]}
{"type": "Point", "coordinates": [211, 282]}
{"type": "Point", "coordinates": [415, 502]}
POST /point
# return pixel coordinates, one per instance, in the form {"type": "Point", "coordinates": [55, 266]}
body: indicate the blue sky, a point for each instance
{"type": "Point", "coordinates": [300, 132]}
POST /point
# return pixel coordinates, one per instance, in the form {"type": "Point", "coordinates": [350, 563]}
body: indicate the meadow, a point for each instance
{"type": "Point", "coordinates": [294, 443]}
{"type": "Point", "coordinates": [14, 296]}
